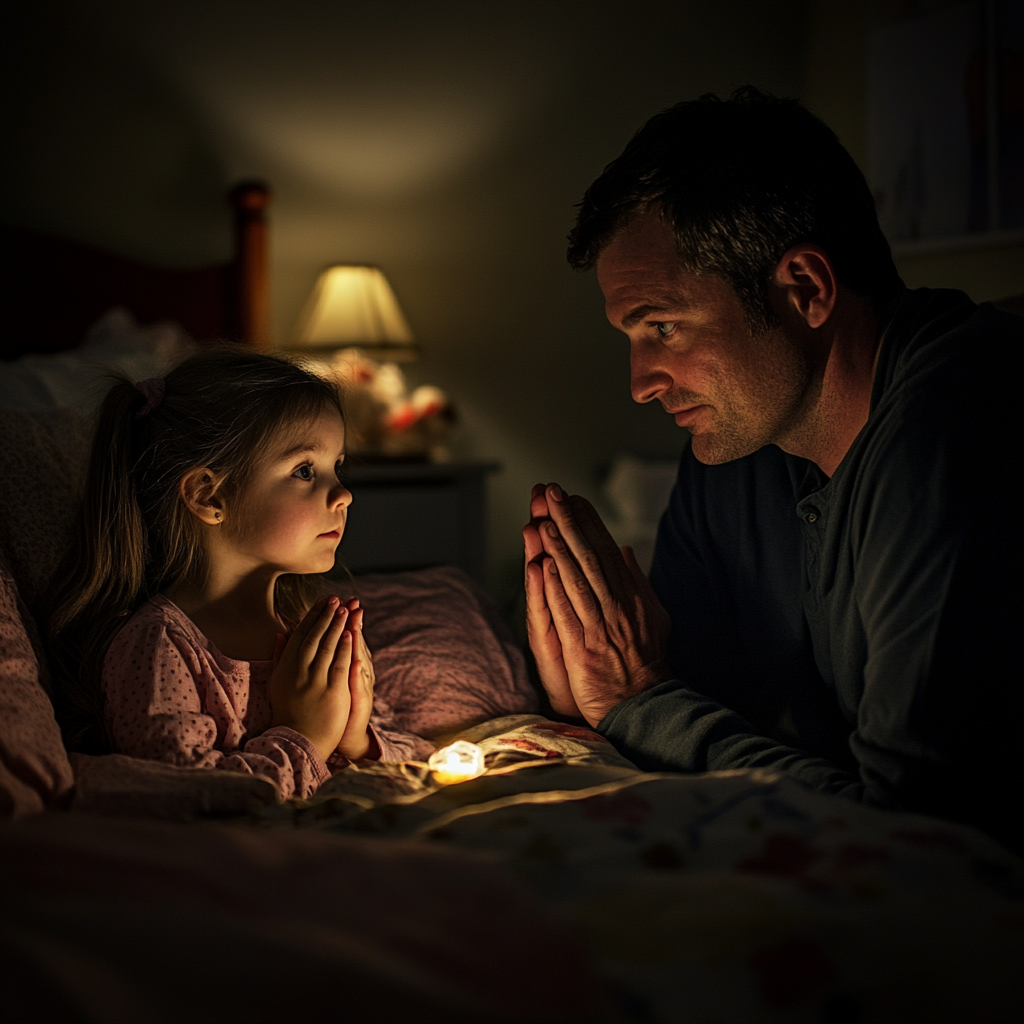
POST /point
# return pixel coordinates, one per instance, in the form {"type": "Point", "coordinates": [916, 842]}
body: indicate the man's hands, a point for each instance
{"type": "Point", "coordinates": [596, 628]}
{"type": "Point", "coordinates": [540, 625]}
{"type": "Point", "coordinates": [322, 683]}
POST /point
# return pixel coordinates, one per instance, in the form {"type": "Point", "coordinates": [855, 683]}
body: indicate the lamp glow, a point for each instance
{"type": "Point", "coordinates": [458, 762]}
{"type": "Point", "coordinates": [354, 307]}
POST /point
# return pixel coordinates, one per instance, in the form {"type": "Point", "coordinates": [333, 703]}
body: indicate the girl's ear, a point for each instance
{"type": "Point", "coordinates": [200, 490]}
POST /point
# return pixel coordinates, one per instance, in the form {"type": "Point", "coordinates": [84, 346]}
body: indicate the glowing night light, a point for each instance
{"type": "Point", "coordinates": [458, 762]}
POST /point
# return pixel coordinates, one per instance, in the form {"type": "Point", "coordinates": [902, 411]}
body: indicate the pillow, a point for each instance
{"type": "Point", "coordinates": [42, 466]}
{"type": "Point", "coordinates": [46, 402]}
{"type": "Point", "coordinates": [76, 379]}
{"type": "Point", "coordinates": [443, 658]}
{"type": "Point", "coordinates": [34, 768]}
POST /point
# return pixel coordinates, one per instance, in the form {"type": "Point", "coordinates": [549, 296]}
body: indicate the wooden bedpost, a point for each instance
{"type": "Point", "coordinates": [250, 300]}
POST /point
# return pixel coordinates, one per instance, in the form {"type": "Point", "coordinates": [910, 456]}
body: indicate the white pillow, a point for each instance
{"type": "Point", "coordinates": [77, 379]}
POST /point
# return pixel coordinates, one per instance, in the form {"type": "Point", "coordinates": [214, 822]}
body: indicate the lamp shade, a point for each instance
{"type": "Point", "coordinates": [353, 306]}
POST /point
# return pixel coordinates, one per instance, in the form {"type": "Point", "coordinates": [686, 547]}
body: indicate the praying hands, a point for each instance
{"type": "Point", "coordinates": [596, 629]}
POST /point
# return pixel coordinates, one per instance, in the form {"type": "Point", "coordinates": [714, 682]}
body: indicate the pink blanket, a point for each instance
{"type": "Point", "coordinates": [444, 659]}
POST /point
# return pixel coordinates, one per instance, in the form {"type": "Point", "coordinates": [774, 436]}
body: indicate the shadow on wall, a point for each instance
{"type": "Point", "coordinates": [445, 142]}
{"type": "Point", "coordinates": [101, 148]}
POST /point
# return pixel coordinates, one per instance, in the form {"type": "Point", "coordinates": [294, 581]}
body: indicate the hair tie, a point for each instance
{"type": "Point", "coordinates": [154, 389]}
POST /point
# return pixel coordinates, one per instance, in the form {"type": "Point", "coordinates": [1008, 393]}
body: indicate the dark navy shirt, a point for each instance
{"type": "Point", "coordinates": [862, 634]}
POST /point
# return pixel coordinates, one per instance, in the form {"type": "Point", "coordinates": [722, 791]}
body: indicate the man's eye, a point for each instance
{"type": "Point", "coordinates": [664, 328]}
{"type": "Point", "coordinates": [304, 473]}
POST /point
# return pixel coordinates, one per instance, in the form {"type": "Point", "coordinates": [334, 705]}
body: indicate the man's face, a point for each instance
{"type": "Point", "coordinates": [691, 350]}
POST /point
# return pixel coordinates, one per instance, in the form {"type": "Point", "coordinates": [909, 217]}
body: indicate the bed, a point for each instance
{"type": "Point", "coordinates": [563, 884]}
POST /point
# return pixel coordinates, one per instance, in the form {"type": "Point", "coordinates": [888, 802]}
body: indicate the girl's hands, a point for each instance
{"type": "Point", "coordinates": [310, 688]}
{"type": "Point", "coordinates": [356, 741]}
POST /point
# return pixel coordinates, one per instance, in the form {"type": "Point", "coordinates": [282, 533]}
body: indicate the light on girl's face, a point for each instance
{"type": "Point", "coordinates": [458, 762]}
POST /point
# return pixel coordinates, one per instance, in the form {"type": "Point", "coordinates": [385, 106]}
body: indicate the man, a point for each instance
{"type": "Point", "coordinates": [835, 589]}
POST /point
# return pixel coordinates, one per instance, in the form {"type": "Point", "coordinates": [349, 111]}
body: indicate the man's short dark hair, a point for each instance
{"type": "Point", "coordinates": [741, 181]}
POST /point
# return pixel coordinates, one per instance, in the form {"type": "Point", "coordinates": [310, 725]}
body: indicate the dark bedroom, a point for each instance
{"type": "Point", "coordinates": [372, 643]}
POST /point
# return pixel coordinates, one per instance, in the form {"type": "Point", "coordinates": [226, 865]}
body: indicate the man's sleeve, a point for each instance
{"type": "Point", "coordinates": [935, 673]}
{"type": "Point", "coordinates": [728, 568]}
{"type": "Point", "coordinates": [938, 589]}
{"type": "Point", "coordinates": [937, 593]}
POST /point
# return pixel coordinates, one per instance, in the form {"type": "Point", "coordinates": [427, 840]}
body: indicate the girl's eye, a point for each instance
{"type": "Point", "coordinates": [664, 328]}
{"type": "Point", "coordinates": [305, 472]}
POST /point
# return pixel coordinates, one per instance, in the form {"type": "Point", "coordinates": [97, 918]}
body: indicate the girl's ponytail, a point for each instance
{"type": "Point", "coordinates": [103, 577]}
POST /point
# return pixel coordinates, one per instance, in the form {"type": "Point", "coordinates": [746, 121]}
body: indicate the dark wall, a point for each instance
{"type": "Point", "coordinates": [445, 141]}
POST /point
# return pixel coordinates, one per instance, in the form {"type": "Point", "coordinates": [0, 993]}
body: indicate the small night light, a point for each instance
{"type": "Point", "coordinates": [459, 762]}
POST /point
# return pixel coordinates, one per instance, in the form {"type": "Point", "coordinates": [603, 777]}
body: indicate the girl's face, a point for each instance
{"type": "Point", "coordinates": [292, 513]}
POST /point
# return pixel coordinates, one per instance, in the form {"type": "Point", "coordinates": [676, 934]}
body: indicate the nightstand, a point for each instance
{"type": "Point", "coordinates": [410, 515]}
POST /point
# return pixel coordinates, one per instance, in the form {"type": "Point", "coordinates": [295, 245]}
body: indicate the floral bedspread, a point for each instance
{"type": "Point", "coordinates": [735, 896]}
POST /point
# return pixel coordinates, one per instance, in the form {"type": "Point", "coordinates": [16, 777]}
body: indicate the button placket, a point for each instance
{"type": "Point", "coordinates": [813, 521]}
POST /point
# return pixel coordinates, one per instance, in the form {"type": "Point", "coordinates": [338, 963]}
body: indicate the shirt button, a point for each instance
{"type": "Point", "coordinates": [810, 516]}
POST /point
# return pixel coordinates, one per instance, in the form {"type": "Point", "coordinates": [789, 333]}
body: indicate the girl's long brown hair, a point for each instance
{"type": "Point", "coordinates": [222, 410]}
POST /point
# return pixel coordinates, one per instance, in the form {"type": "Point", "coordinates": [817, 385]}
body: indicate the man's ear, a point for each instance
{"type": "Point", "coordinates": [200, 490]}
{"type": "Point", "coordinates": [809, 279]}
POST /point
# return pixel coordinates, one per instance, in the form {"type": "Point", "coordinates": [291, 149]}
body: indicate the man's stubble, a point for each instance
{"type": "Point", "coordinates": [765, 400]}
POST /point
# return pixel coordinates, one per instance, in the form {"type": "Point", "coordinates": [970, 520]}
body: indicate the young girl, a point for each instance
{"type": "Point", "coordinates": [188, 627]}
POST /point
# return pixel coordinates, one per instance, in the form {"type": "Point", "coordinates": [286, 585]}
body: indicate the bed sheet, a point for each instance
{"type": "Point", "coordinates": [114, 920]}
{"type": "Point", "coordinates": [593, 890]}
{"type": "Point", "coordinates": [735, 896]}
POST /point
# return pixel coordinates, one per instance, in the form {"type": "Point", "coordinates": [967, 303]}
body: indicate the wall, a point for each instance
{"type": "Point", "coordinates": [445, 141]}
{"type": "Point", "coordinates": [834, 86]}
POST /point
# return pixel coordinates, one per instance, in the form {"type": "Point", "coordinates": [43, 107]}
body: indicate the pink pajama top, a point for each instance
{"type": "Point", "coordinates": [170, 695]}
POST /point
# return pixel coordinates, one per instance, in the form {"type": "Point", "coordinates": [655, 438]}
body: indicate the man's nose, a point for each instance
{"type": "Point", "coordinates": [647, 380]}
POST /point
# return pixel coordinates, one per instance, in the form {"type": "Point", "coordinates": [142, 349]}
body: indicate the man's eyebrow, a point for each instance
{"type": "Point", "coordinates": [634, 316]}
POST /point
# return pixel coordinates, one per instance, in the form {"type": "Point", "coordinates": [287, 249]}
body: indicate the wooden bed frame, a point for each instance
{"type": "Point", "coordinates": [52, 290]}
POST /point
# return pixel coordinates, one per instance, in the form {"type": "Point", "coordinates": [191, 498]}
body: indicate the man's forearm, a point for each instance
{"type": "Point", "coordinates": [671, 728]}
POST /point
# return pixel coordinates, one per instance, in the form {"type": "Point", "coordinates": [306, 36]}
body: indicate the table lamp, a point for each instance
{"type": "Point", "coordinates": [353, 306]}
